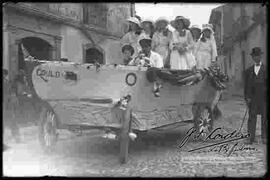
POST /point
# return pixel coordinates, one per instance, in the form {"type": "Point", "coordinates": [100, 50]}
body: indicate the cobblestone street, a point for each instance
{"type": "Point", "coordinates": [155, 154]}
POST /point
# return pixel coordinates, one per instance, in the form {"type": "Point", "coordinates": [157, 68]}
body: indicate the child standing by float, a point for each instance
{"type": "Point", "coordinates": [132, 37]}
{"type": "Point", "coordinates": [206, 50]}
{"type": "Point", "coordinates": [161, 39]}
{"type": "Point", "coordinates": [181, 45]}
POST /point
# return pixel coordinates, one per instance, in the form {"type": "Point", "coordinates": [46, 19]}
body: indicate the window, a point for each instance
{"type": "Point", "coordinates": [93, 55]}
{"type": "Point", "coordinates": [95, 14]}
{"type": "Point", "coordinates": [38, 48]}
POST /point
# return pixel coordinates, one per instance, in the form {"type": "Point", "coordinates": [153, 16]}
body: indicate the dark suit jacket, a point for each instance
{"type": "Point", "coordinates": [255, 85]}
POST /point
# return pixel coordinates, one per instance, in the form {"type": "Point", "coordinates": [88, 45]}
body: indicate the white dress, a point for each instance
{"type": "Point", "coordinates": [205, 53]}
{"type": "Point", "coordinates": [185, 61]}
{"type": "Point", "coordinates": [160, 44]}
{"type": "Point", "coordinates": [132, 39]}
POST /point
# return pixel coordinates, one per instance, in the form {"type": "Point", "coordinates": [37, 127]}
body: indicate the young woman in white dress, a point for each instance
{"type": "Point", "coordinates": [206, 50]}
{"type": "Point", "coordinates": [181, 45]}
{"type": "Point", "coordinates": [148, 29]}
{"type": "Point", "coordinates": [161, 39]}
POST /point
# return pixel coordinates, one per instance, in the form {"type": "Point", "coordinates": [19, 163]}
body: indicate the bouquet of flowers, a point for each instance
{"type": "Point", "coordinates": [142, 60]}
{"type": "Point", "coordinates": [181, 47]}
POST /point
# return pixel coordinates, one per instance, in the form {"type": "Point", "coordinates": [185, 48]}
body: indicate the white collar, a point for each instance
{"type": "Point", "coordinates": [259, 65]}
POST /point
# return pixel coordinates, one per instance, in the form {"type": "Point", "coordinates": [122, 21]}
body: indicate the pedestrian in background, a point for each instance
{"type": "Point", "coordinates": [255, 95]}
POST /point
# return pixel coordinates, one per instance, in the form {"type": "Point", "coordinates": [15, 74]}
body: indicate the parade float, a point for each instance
{"type": "Point", "coordinates": [119, 99]}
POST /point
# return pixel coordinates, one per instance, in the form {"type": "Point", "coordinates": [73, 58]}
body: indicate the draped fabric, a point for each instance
{"type": "Point", "coordinates": [188, 77]}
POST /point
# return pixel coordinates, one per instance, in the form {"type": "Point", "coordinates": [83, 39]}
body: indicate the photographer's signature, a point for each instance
{"type": "Point", "coordinates": [221, 143]}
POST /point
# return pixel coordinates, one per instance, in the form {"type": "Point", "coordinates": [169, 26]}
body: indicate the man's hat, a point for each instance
{"type": "Point", "coordinates": [256, 51]}
{"type": "Point", "coordinates": [145, 42]}
{"type": "Point", "coordinates": [129, 48]}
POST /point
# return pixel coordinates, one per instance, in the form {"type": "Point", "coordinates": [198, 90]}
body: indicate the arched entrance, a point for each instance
{"type": "Point", "coordinates": [38, 48]}
{"type": "Point", "coordinates": [35, 47]}
{"type": "Point", "coordinates": [93, 55]}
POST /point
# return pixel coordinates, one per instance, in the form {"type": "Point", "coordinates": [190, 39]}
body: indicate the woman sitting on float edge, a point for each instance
{"type": "Point", "coordinates": [149, 58]}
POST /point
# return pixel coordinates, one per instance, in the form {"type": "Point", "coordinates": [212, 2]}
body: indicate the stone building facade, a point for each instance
{"type": "Point", "coordinates": [78, 32]}
{"type": "Point", "coordinates": [239, 28]}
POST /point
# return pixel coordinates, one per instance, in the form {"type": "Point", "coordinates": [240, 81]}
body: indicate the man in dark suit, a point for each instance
{"type": "Point", "coordinates": [255, 95]}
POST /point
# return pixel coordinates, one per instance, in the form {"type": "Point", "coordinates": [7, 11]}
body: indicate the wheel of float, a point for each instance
{"type": "Point", "coordinates": [203, 121]}
{"type": "Point", "coordinates": [124, 135]}
{"type": "Point", "coordinates": [47, 130]}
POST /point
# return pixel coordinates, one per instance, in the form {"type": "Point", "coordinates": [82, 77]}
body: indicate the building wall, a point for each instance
{"type": "Point", "coordinates": [71, 46]}
{"type": "Point", "coordinates": [60, 25]}
{"type": "Point", "coordinates": [116, 17]}
{"type": "Point", "coordinates": [75, 42]}
{"type": "Point", "coordinates": [240, 50]}
{"type": "Point", "coordinates": [19, 26]}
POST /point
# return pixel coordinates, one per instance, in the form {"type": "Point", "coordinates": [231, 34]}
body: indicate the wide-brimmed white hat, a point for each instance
{"type": "Point", "coordinates": [147, 20]}
{"type": "Point", "coordinates": [207, 26]}
{"type": "Point", "coordinates": [134, 20]}
{"type": "Point", "coordinates": [160, 19]}
{"type": "Point", "coordinates": [185, 20]}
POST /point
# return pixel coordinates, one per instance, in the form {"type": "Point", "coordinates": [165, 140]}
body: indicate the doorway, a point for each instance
{"type": "Point", "coordinates": [38, 48]}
